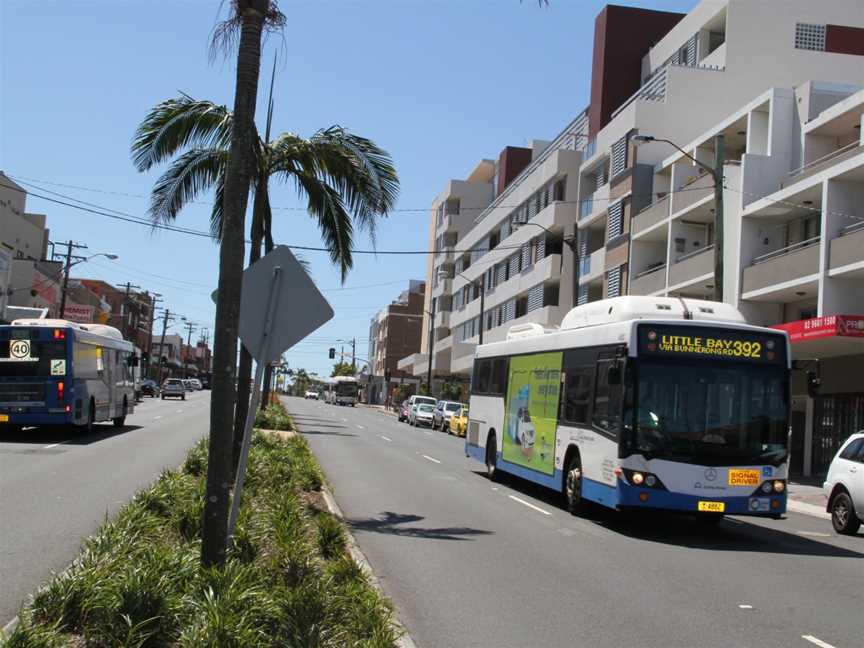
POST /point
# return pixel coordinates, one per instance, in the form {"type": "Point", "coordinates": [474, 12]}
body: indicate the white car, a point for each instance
{"type": "Point", "coordinates": [413, 402]}
{"type": "Point", "coordinates": [525, 432]}
{"type": "Point", "coordinates": [196, 384]}
{"type": "Point", "coordinates": [844, 486]}
{"type": "Point", "coordinates": [311, 395]}
{"type": "Point", "coordinates": [422, 414]}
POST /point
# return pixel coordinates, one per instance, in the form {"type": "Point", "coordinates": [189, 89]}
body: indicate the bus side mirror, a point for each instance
{"type": "Point", "coordinates": [813, 384]}
{"type": "Point", "coordinates": [613, 377]}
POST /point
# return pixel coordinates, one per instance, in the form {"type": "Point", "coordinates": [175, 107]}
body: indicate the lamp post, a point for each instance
{"type": "Point", "coordinates": [573, 244]}
{"type": "Point", "coordinates": [716, 173]}
{"type": "Point", "coordinates": [70, 264]}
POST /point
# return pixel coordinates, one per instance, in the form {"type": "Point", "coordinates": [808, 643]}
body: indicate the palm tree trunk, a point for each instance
{"type": "Point", "coordinates": [241, 163]}
{"type": "Point", "coordinates": [244, 371]}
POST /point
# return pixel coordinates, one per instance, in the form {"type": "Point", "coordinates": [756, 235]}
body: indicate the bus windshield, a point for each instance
{"type": "Point", "coordinates": [346, 388]}
{"type": "Point", "coordinates": [708, 414]}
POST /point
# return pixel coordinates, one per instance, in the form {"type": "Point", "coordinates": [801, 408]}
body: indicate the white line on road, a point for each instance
{"type": "Point", "coordinates": [54, 445]}
{"type": "Point", "coordinates": [156, 418]}
{"type": "Point", "coordinates": [427, 432]}
{"type": "Point", "coordinates": [386, 438]}
{"type": "Point", "coordinates": [529, 505]}
{"type": "Point", "coordinates": [179, 411]}
{"type": "Point", "coordinates": [818, 642]}
{"type": "Point", "coordinates": [431, 458]}
{"type": "Point", "coordinates": [361, 427]}
{"type": "Point", "coordinates": [745, 607]}
{"type": "Point", "coordinates": [814, 534]}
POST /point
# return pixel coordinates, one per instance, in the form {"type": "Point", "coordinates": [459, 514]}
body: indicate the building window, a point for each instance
{"type": "Point", "coordinates": [521, 306]}
{"type": "Point", "coordinates": [615, 223]}
{"type": "Point", "coordinates": [618, 156]}
{"type": "Point", "coordinates": [810, 37]}
{"type": "Point", "coordinates": [613, 282]}
{"type": "Point", "coordinates": [560, 189]}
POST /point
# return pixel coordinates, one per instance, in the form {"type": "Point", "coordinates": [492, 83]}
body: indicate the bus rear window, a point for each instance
{"type": "Point", "coordinates": [44, 351]}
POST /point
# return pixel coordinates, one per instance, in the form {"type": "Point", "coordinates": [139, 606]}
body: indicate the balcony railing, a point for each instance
{"type": "Point", "coordinates": [825, 158]}
{"type": "Point", "coordinates": [651, 269]}
{"type": "Point", "coordinates": [786, 250]}
{"type": "Point", "coordinates": [586, 207]}
{"type": "Point", "coordinates": [652, 214]}
{"type": "Point", "coordinates": [694, 253]}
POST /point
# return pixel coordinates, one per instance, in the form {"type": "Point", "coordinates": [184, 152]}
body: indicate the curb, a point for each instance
{"type": "Point", "coordinates": [807, 509]}
{"type": "Point", "coordinates": [405, 641]}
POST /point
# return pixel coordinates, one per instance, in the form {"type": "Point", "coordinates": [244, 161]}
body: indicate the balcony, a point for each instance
{"type": "Point", "coordinates": [649, 281]}
{"type": "Point", "coordinates": [595, 203]}
{"type": "Point", "coordinates": [691, 193]}
{"type": "Point", "coordinates": [781, 266]}
{"type": "Point", "coordinates": [442, 319]}
{"type": "Point", "coordinates": [843, 153]}
{"type": "Point", "coordinates": [654, 213]}
{"type": "Point", "coordinates": [691, 266]}
{"type": "Point", "coordinates": [848, 248]}
{"type": "Point", "coordinates": [592, 266]}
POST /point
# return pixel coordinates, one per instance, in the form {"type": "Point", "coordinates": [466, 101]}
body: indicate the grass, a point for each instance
{"type": "Point", "coordinates": [288, 580]}
{"type": "Point", "coordinates": [274, 417]}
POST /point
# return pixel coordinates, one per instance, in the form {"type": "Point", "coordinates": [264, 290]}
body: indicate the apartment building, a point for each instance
{"type": "Point", "coordinates": [793, 244]}
{"type": "Point", "coordinates": [394, 333]}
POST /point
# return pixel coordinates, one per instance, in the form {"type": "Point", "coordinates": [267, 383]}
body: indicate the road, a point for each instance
{"type": "Point", "coordinates": [469, 562]}
{"type": "Point", "coordinates": [56, 487]}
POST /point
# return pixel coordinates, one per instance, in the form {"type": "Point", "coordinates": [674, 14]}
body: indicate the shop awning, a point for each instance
{"type": "Point", "coordinates": [825, 337]}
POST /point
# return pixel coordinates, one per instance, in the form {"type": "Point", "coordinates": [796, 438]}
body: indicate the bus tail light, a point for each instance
{"type": "Point", "coordinates": [68, 408]}
{"type": "Point", "coordinates": [59, 334]}
{"type": "Point", "coordinates": [61, 390]}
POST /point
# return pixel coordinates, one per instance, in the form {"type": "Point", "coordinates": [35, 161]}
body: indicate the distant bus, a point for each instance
{"type": "Point", "coordinates": [640, 403]}
{"type": "Point", "coordinates": [55, 372]}
{"type": "Point", "coordinates": [341, 390]}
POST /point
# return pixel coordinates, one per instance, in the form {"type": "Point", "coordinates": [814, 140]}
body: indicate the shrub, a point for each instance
{"type": "Point", "coordinates": [331, 536]}
{"type": "Point", "coordinates": [273, 417]}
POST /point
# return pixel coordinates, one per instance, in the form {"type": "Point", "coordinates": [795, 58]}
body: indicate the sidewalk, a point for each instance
{"type": "Point", "coordinates": [802, 498]}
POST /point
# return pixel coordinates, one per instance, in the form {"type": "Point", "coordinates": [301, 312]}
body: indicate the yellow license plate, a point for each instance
{"type": "Point", "coordinates": [712, 507]}
{"type": "Point", "coordinates": [744, 477]}
{"type": "Point", "coordinates": [4, 418]}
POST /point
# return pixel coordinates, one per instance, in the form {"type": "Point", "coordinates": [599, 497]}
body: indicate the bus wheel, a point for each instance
{"type": "Point", "coordinates": [573, 486]}
{"type": "Point", "coordinates": [87, 426]}
{"type": "Point", "coordinates": [120, 421]}
{"type": "Point", "coordinates": [492, 457]}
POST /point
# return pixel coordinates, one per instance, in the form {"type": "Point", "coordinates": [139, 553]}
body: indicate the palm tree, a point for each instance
{"type": "Point", "coordinates": [345, 179]}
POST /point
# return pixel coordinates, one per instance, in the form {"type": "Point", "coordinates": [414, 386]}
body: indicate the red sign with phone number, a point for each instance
{"type": "Point", "coordinates": [817, 328]}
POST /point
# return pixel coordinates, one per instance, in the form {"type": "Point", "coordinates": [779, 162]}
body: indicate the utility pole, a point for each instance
{"type": "Point", "coordinates": [719, 161]}
{"type": "Point", "coordinates": [353, 355]}
{"type": "Point", "coordinates": [431, 347]}
{"type": "Point", "coordinates": [165, 318]}
{"type": "Point", "coordinates": [69, 247]}
{"type": "Point", "coordinates": [123, 322]}
{"type": "Point", "coordinates": [190, 326]}
{"type": "Point", "coordinates": [154, 299]}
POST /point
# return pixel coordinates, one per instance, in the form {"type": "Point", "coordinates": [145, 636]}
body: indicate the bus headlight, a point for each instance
{"type": "Point", "coordinates": [779, 486]}
{"type": "Point", "coordinates": [638, 478]}
{"type": "Point", "coordinates": [766, 487]}
{"type": "Point", "coordinates": [650, 480]}
{"type": "Point", "coordinates": [641, 479]}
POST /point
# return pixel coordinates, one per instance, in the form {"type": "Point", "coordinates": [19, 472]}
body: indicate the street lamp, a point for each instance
{"type": "Point", "coordinates": [570, 242]}
{"type": "Point", "coordinates": [716, 173]}
{"type": "Point", "coordinates": [69, 266]}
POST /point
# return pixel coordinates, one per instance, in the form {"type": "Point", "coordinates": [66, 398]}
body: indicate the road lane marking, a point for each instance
{"type": "Point", "coordinates": [744, 606]}
{"type": "Point", "coordinates": [814, 534]}
{"type": "Point", "coordinates": [817, 641]}
{"type": "Point", "coordinates": [427, 432]}
{"type": "Point", "coordinates": [433, 459]}
{"type": "Point", "coordinates": [179, 411]}
{"type": "Point", "coordinates": [386, 438]}
{"type": "Point", "coordinates": [54, 445]}
{"type": "Point", "coordinates": [529, 505]}
{"type": "Point", "coordinates": [156, 418]}
{"type": "Point", "coordinates": [361, 427]}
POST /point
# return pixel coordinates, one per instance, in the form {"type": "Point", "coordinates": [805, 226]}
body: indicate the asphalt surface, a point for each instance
{"type": "Point", "coordinates": [57, 486]}
{"type": "Point", "coordinates": [468, 562]}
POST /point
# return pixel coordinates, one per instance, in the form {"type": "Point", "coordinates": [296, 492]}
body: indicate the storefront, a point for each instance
{"type": "Point", "coordinates": [833, 347]}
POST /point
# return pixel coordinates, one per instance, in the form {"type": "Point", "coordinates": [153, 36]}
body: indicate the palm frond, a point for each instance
{"type": "Point", "coordinates": [190, 174]}
{"type": "Point", "coordinates": [227, 33]}
{"type": "Point", "coordinates": [176, 124]}
{"type": "Point", "coordinates": [334, 222]}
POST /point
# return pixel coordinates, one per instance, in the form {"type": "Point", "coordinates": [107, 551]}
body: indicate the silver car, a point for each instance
{"type": "Point", "coordinates": [422, 415]}
{"type": "Point", "coordinates": [174, 388]}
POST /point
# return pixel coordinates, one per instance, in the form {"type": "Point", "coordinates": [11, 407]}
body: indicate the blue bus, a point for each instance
{"type": "Point", "coordinates": [55, 372]}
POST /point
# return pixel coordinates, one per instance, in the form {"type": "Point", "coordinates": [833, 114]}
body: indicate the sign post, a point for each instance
{"type": "Point", "coordinates": [271, 323]}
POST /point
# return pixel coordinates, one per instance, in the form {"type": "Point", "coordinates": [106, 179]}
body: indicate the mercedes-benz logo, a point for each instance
{"type": "Point", "coordinates": [710, 475]}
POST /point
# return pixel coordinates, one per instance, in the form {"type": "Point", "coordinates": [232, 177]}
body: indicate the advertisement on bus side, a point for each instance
{"type": "Point", "coordinates": [531, 411]}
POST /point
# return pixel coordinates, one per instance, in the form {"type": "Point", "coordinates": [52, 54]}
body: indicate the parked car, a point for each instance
{"type": "Point", "coordinates": [443, 411]}
{"type": "Point", "coordinates": [459, 423]}
{"type": "Point", "coordinates": [422, 414]}
{"type": "Point", "coordinates": [844, 486]}
{"type": "Point", "coordinates": [149, 388]}
{"type": "Point", "coordinates": [196, 384]}
{"type": "Point", "coordinates": [187, 384]}
{"type": "Point", "coordinates": [409, 403]}
{"type": "Point", "coordinates": [311, 395]}
{"type": "Point", "coordinates": [174, 388]}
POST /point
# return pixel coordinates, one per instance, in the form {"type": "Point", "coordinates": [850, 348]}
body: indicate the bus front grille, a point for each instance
{"type": "Point", "coordinates": [22, 392]}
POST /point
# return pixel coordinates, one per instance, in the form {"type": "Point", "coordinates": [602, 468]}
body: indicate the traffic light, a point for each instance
{"type": "Point", "coordinates": [813, 384]}
{"type": "Point", "coordinates": [332, 353]}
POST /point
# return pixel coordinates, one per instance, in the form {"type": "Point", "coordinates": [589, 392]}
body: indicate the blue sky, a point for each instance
{"type": "Point", "coordinates": [439, 84]}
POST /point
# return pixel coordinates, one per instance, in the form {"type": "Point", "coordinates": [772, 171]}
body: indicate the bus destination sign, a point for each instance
{"type": "Point", "coordinates": [708, 342]}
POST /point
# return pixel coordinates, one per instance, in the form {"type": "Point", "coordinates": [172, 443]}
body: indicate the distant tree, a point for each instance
{"type": "Point", "coordinates": [342, 369]}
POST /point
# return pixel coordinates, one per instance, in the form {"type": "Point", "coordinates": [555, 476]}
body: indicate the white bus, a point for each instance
{"type": "Point", "coordinates": [55, 372]}
{"type": "Point", "coordinates": [341, 390]}
{"type": "Point", "coordinates": [639, 402]}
